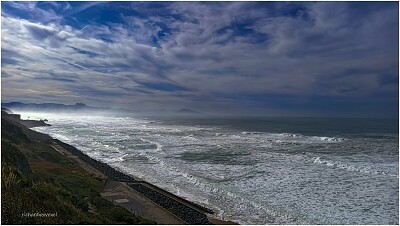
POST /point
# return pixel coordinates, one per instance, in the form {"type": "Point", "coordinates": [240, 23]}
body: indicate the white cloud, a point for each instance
{"type": "Point", "coordinates": [202, 52]}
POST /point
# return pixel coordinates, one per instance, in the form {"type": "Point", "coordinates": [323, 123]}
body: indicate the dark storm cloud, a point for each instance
{"type": "Point", "coordinates": [244, 57]}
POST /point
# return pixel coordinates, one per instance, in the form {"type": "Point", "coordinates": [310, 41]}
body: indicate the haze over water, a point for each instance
{"type": "Point", "coordinates": [322, 59]}
{"type": "Point", "coordinates": [253, 170]}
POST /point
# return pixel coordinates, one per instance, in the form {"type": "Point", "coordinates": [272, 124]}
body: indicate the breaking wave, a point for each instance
{"type": "Point", "coordinates": [349, 167]}
{"type": "Point", "coordinates": [250, 177]}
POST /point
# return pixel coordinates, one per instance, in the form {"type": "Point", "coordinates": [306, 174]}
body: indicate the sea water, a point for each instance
{"type": "Point", "coordinates": [253, 170]}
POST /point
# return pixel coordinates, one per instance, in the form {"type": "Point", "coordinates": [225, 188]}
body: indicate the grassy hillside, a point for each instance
{"type": "Point", "coordinates": [37, 179]}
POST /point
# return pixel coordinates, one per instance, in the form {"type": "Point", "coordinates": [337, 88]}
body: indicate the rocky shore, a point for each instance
{"type": "Point", "coordinates": [185, 213]}
{"type": "Point", "coordinates": [100, 166]}
{"type": "Point", "coordinates": [188, 212]}
{"type": "Point", "coordinates": [40, 177]}
{"type": "Point", "coordinates": [177, 206]}
{"type": "Point", "coordinates": [8, 114]}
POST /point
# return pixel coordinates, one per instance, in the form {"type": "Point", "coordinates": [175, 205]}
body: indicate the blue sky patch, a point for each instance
{"type": "Point", "coordinates": [258, 58]}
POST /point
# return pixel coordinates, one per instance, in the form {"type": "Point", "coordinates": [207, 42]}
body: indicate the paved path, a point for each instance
{"type": "Point", "coordinates": [121, 194]}
{"type": "Point", "coordinates": [118, 192]}
{"type": "Point", "coordinates": [81, 163]}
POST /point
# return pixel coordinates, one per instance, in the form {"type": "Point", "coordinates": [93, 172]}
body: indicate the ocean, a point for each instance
{"type": "Point", "coordinates": [253, 170]}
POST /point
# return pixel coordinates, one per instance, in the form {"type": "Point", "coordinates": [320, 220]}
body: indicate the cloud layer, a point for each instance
{"type": "Point", "coordinates": [325, 58]}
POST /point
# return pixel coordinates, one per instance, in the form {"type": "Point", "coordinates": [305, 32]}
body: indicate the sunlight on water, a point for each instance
{"type": "Point", "coordinates": [252, 177]}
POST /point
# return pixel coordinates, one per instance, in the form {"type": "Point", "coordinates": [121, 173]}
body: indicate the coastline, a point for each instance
{"type": "Point", "coordinates": [187, 211]}
{"type": "Point", "coordinates": [137, 196]}
{"type": "Point", "coordinates": [42, 184]}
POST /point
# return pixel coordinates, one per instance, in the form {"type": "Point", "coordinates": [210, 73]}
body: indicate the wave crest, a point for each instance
{"type": "Point", "coordinates": [349, 167]}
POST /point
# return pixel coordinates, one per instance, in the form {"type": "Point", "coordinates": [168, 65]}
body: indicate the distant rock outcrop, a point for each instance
{"type": "Point", "coordinates": [34, 123]}
{"type": "Point", "coordinates": [27, 123]}
{"type": "Point", "coordinates": [6, 110]}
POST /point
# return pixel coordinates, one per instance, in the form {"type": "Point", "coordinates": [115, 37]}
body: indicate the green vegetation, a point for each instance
{"type": "Point", "coordinates": [37, 179]}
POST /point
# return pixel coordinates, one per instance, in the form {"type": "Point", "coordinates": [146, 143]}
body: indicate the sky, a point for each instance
{"type": "Point", "coordinates": [334, 59]}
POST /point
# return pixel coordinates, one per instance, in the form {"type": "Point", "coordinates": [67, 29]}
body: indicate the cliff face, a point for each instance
{"type": "Point", "coordinates": [11, 155]}
{"type": "Point", "coordinates": [36, 178]}
{"type": "Point", "coordinates": [17, 118]}
{"type": "Point", "coordinates": [11, 132]}
{"type": "Point", "coordinates": [8, 111]}
{"type": "Point", "coordinates": [33, 123]}
{"type": "Point", "coordinates": [11, 136]}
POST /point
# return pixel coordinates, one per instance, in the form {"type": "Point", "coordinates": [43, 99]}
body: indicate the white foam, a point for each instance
{"type": "Point", "coordinates": [349, 167]}
{"type": "Point", "coordinates": [245, 193]}
{"type": "Point", "coordinates": [249, 133]}
{"type": "Point", "coordinates": [158, 145]}
{"type": "Point", "coordinates": [290, 135]}
{"type": "Point", "coordinates": [190, 137]}
{"type": "Point", "coordinates": [330, 139]}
